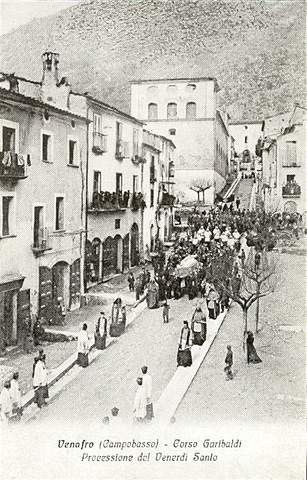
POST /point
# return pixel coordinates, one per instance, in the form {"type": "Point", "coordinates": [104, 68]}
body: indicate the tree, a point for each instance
{"type": "Point", "coordinates": [256, 278]}
{"type": "Point", "coordinates": [200, 185]}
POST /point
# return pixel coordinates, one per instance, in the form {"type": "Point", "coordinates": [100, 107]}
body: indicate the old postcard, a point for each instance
{"type": "Point", "coordinates": [153, 239]}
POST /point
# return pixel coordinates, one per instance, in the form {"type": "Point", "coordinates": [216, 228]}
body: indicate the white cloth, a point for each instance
{"type": "Point", "coordinates": [207, 236]}
{"type": "Point", "coordinates": [40, 374]}
{"type": "Point", "coordinates": [147, 384]}
{"type": "Point", "coordinates": [6, 403]}
{"type": "Point", "coordinates": [83, 343]}
{"type": "Point", "coordinates": [15, 392]}
{"type": "Point", "coordinates": [140, 402]}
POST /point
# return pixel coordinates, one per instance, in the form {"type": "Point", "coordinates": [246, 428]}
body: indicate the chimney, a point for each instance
{"type": "Point", "coordinates": [50, 68]}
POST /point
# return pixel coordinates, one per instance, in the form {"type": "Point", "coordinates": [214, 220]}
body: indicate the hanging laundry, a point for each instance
{"type": "Point", "coordinates": [20, 160]}
{"type": "Point", "coordinates": [29, 160]}
{"type": "Point", "coordinates": [7, 160]}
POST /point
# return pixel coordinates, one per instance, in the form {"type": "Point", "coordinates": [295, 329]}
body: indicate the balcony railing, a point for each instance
{"type": "Point", "coordinates": [109, 201]}
{"type": "Point", "coordinates": [167, 200]}
{"type": "Point", "coordinates": [291, 189]}
{"type": "Point", "coordinates": [42, 242]}
{"type": "Point", "coordinates": [122, 149]}
{"type": "Point", "coordinates": [137, 201]}
{"type": "Point", "coordinates": [13, 166]}
{"type": "Point", "coordinates": [99, 143]}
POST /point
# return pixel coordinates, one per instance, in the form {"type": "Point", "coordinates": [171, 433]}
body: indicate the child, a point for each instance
{"type": "Point", "coordinates": [229, 363]}
{"type": "Point", "coordinates": [165, 312]}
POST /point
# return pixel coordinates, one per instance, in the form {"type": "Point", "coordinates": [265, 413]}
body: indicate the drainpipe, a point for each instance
{"type": "Point", "coordinates": [86, 199]}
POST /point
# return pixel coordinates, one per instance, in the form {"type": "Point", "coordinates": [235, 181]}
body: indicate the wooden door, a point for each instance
{"type": "Point", "coordinates": [45, 312]}
{"type": "Point", "coordinates": [126, 252]}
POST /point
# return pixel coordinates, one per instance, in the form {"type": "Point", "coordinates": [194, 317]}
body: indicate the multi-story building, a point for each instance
{"type": "Point", "coordinates": [159, 182]}
{"type": "Point", "coordinates": [284, 162]}
{"type": "Point", "coordinates": [185, 111]}
{"type": "Point", "coordinates": [115, 200]}
{"type": "Point", "coordinates": [246, 135]}
{"type": "Point", "coordinates": [42, 196]}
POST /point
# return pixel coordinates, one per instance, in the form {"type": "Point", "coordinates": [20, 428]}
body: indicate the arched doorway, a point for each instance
{"type": "Point", "coordinates": [119, 248]}
{"type": "Point", "coordinates": [109, 257]}
{"type": "Point", "coordinates": [60, 284]}
{"type": "Point", "coordinates": [134, 251]}
{"type": "Point", "coordinates": [126, 252]}
{"type": "Point", "coordinates": [95, 260]}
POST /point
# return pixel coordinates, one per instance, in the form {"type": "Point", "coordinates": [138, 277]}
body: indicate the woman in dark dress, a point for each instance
{"type": "Point", "coordinates": [252, 356]}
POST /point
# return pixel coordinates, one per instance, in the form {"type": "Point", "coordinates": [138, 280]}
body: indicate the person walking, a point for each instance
{"type": "Point", "coordinates": [252, 356]}
{"type": "Point", "coordinates": [101, 332]}
{"type": "Point", "coordinates": [199, 326]}
{"type": "Point", "coordinates": [131, 281]}
{"type": "Point", "coordinates": [184, 357]}
{"type": "Point", "coordinates": [228, 363]}
{"type": "Point", "coordinates": [238, 202]}
{"type": "Point", "coordinates": [83, 347]}
{"type": "Point", "coordinates": [6, 403]}
{"type": "Point", "coordinates": [140, 401]}
{"type": "Point", "coordinates": [40, 380]}
{"type": "Point", "coordinates": [147, 383]}
{"type": "Point", "coordinates": [16, 395]}
{"type": "Point", "coordinates": [165, 312]}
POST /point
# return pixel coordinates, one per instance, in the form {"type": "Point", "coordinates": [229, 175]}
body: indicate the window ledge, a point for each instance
{"type": "Point", "coordinates": [7, 236]}
{"type": "Point", "coordinates": [45, 161]}
{"type": "Point", "coordinates": [59, 231]}
{"type": "Point", "coordinates": [72, 166]}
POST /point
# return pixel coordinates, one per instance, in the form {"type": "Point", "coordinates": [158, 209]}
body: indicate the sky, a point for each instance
{"type": "Point", "coordinates": [14, 13]}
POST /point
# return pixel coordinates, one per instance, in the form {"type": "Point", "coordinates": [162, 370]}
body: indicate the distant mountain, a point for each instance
{"type": "Point", "coordinates": [256, 49]}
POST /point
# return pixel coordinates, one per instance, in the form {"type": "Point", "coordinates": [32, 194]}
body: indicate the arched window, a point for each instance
{"type": "Point", "coordinates": [172, 110]}
{"type": "Point", "coordinates": [191, 87]}
{"type": "Point", "coordinates": [152, 90]}
{"type": "Point", "coordinates": [172, 88]}
{"type": "Point", "coordinates": [191, 110]}
{"type": "Point", "coordinates": [152, 111]}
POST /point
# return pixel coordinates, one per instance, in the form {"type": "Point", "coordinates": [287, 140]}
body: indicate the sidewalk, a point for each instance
{"type": "Point", "coordinates": [58, 352]}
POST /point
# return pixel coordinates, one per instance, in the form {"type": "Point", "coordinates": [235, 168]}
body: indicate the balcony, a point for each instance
{"type": "Point", "coordinates": [167, 199]}
{"type": "Point", "coordinates": [109, 202]}
{"type": "Point", "coordinates": [122, 149]}
{"type": "Point", "coordinates": [137, 201]}
{"type": "Point", "coordinates": [291, 189]}
{"type": "Point", "coordinates": [138, 156]}
{"type": "Point", "coordinates": [42, 241]}
{"type": "Point", "coordinates": [99, 143]}
{"type": "Point", "coordinates": [12, 166]}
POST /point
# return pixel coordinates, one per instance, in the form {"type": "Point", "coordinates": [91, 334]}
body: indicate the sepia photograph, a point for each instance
{"type": "Point", "coordinates": [153, 223]}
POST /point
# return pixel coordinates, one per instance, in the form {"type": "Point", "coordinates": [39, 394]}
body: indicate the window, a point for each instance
{"type": "Point", "coordinates": [290, 178]}
{"type": "Point", "coordinates": [46, 148]}
{"type": "Point", "coordinates": [72, 152]}
{"type": "Point", "coordinates": [152, 90]}
{"type": "Point", "coordinates": [135, 142]}
{"type": "Point", "coordinates": [191, 110]}
{"type": "Point", "coordinates": [38, 230]}
{"type": "Point", "coordinates": [245, 140]}
{"type": "Point", "coordinates": [119, 131]}
{"type": "Point", "coordinates": [59, 213]}
{"type": "Point", "coordinates": [97, 181]}
{"type": "Point", "coordinates": [152, 194]}
{"type": "Point", "coordinates": [117, 223]}
{"type": "Point", "coordinates": [172, 89]}
{"type": "Point", "coordinates": [7, 204]}
{"type": "Point", "coordinates": [8, 139]}
{"type": "Point", "coordinates": [191, 87]}
{"type": "Point", "coordinates": [246, 127]}
{"type": "Point", "coordinates": [152, 111]}
{"type": "Point", "coordinates": [119, 182]}
{"type": "Point", "coordinates": [290, 157]}
{"type": "Point", "coordinates": [172, 110]}
{"type": "Point", "coordinates": [97, 123]}
{"type": "Point", "coordinates": [172, 131]}
{"type": "Point", "coordinates": [135, 183]}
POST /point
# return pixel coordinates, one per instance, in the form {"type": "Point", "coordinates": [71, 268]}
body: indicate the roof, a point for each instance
{"type": "Point", "coordinates": [36, 103]}
{"type": "Point", "coordinates": [8, 75]}
{"type": "Point", "coordinates": [181, 79]}
{"type": "Point", "coordinates": [106, 106]}
{"type": "Point", "coordinates": [245, 122]}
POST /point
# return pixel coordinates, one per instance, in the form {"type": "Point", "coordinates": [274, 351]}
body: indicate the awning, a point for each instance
{"type": "Point", "coordinates": [11, 282]}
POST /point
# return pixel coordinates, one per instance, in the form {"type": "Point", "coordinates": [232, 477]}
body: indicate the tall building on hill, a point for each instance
{"type": "Point", "coordinates": [185, 110]}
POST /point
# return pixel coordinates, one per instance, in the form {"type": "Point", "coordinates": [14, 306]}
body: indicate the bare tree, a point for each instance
{"type": "Point", "coordinates": [200, 185]}
{"type": "Point", "coordinates": [256, 278]}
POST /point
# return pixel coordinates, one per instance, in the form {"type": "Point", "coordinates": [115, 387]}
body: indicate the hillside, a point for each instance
{"type": "Point", "coordinates": [256, 49]}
